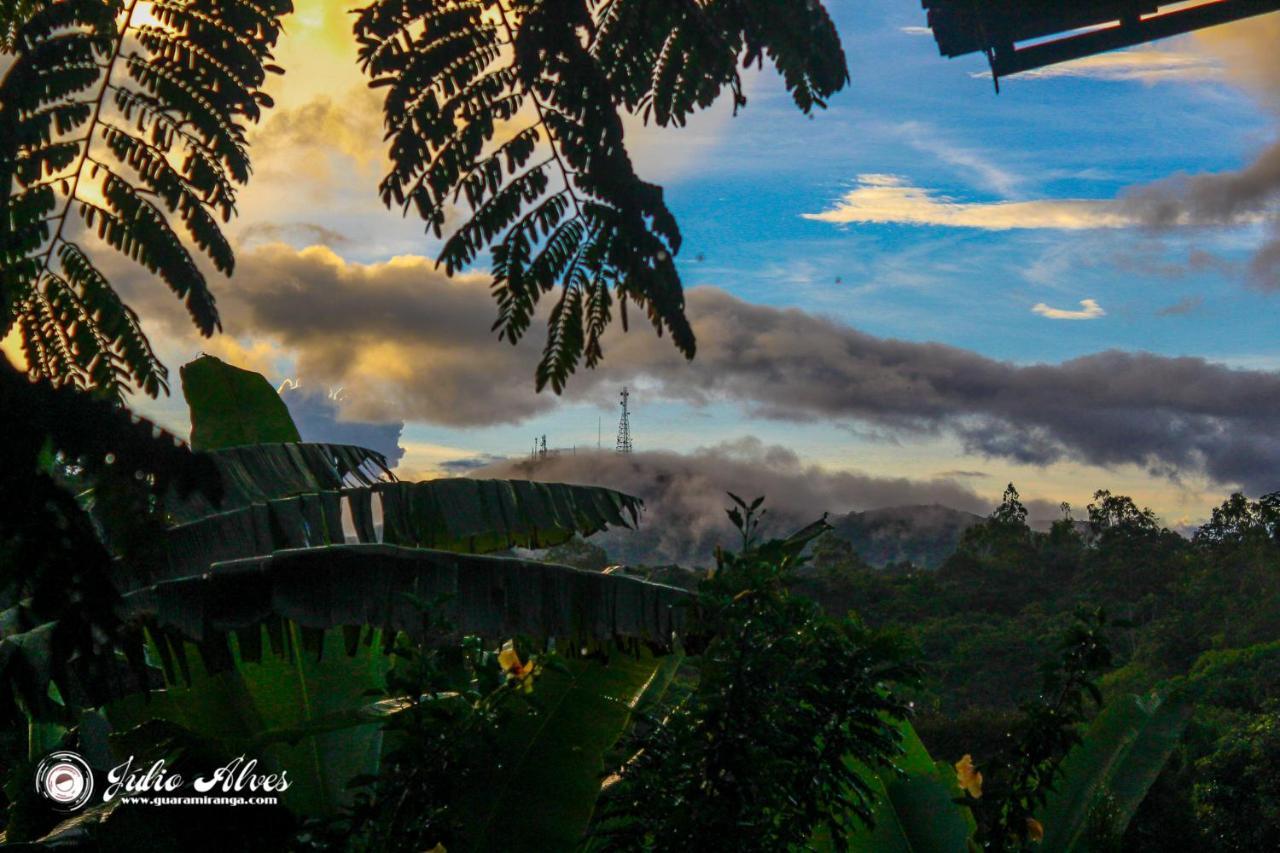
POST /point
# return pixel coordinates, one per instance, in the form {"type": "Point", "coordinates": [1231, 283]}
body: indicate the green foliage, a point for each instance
{"type": "Point", "coordinates": [769, 745]}
{"type": "Point", "coordinates": [1107, 775]}
{"type": "Point", "coordinates": [514, 107]}
{"type": "Point", "coordinates": [1237, 788]}
{"type": "Point", "coordinates": [550, 748]}
{"type": "Point", "coordinates": [136, 131]}
{"type": "Point", "coordinates": [916, 809]}
{"type": "Point", "coordinates": [1020, 777]}
{"type": "Point", "coordinates": [1239, 521]}
{"type": "Point", "coordinates": [447, 698]}
{"type": "Point", "coordinates": [1207, 609]}
{"type": "Point", "coordinates": [273, 654]}
{"type": "Point", "coordinates": [58, 618]}
{"type": "Point", "coordinates": [231, 406]}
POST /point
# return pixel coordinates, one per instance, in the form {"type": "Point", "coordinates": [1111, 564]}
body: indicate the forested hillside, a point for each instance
{"type": "Point", "coordinates": [1205, 611]}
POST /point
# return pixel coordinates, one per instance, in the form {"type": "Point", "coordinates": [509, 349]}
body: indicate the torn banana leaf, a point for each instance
{"type": "Point", "coordinates": [265, 472]}
{"type": "Point", "coordinates": [365, 585]}
{"type": "Point", "coordinates": [471, 516]}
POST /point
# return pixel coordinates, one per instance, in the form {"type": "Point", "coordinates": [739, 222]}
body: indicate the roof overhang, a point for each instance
{"type": "Point", "coordinates": [1018, 35]}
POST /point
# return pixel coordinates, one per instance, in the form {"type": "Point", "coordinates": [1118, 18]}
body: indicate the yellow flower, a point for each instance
{"type": "Point", "coordinates": [439, 848]}
{"type": "Point", "coordinates": [1035, 830]}
{"type": "Point", "coordinates": [969, 777]}
{"type": "Point", "coordinates": [509, 660]}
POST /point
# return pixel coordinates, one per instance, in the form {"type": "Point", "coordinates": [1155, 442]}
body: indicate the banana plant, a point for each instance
{"type": "Point", "coordinates": [1104, 779]}
{"type": "Point", "coordinates": [269, 615]}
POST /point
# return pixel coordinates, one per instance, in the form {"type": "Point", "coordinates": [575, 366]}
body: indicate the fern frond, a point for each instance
{"type": "Point", "coordinates": [669, 58]}
{"type": "Point", "coordinates": [499, 106]}
{"type": "Point", "coordinates": [511, 110]}
{"type": "Point", "coordinates": [136, 131]}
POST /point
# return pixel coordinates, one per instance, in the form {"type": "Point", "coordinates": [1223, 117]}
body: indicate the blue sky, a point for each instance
{"type": "Point", "coordinates": [924, 145]}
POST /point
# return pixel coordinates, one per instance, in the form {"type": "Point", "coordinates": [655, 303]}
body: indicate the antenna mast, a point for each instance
{"type": "Point", "coordinates": [624, 425]}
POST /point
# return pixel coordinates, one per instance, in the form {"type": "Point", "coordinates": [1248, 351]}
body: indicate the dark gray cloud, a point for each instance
{"type": "Point", "coordinates": [470, 463]}
{"type": "Point", "coordinates": [268, 232]}
{"type": "Point", "coordinates": [1220, 198]}
{"type": "Point", "coordinates": [317, 415]}
{"type": "Point", "coordinates": [685, 496]}
{"type": "Point", "coordinates": [409, 344]}
{"type": "Point", "coordinates": [1189, 305]}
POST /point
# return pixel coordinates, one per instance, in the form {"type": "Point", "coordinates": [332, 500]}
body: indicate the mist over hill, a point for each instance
{"type": "Point", "coordinates": [921, 535]}
{"type": "Point", "coordinates": [685, 498]}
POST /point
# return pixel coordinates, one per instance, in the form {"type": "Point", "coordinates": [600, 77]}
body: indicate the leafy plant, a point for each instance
{"type": "Point", "coordinates": [771, 744]}
{"type": "Point", "coordinates": [1019, 780]}
{"type": "Point", "coordinates": [271, 627]}
{"type": "Point", "coordinates": [445, 699]}
{"type": "Point", "coordinates": [1103, 779]}
{"type": "Point", "coordinates": [131, 126]}
{"type": "Point", "coordinates": [514, 107]}
{"type": "Point", "coordinates": [61, 629]}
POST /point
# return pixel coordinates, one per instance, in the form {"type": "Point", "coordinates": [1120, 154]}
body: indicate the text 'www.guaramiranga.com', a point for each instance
{"type": "Point", "coordinates": [202, 801]}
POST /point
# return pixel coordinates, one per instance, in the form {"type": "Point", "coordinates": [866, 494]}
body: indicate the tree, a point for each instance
{"type": "Point", "coordinates": [134, 126]}
{"type": "Point", "coordinates": [1237, 794]}
{"type": "Point", "coordinates": [269, 626]}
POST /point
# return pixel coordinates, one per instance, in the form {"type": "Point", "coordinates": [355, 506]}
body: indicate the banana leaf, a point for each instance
{"type": "Point", "coordinates": [263, 472]}
{"type": "Point", "coordinates": [231, 406]}
{"type": "Point", "coordinates": [1120, 756]}
{"type": "Point", "coordinates": [304, 714]}
{"type": "Point", "coordinates": [915, 810]}
{"type": "Point", "coordinates": [541, 792]}
{"type": "Point", "coordinates": [363, 585]}
{"type": "Point", "coordinates": [470, 516]}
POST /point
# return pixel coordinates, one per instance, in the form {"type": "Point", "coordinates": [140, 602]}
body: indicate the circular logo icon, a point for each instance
{"type": "Point", "coordinates": [64, 778]}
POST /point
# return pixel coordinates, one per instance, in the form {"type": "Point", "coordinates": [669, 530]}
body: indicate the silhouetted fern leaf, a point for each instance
{"type": "Point", "coordinates": [130, 127]}
{"type": "Point", "coordinates": [511, 108]}
{"type": "Point", "coordinates": [669, 58]}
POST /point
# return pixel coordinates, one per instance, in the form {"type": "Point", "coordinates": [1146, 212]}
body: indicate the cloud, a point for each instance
{"type": "Point", "coordinates": [317, 414]}
{"type": "Point", "coordinates": [915, 31]}
{"type": "Point", "coordinates": [1249, 194]}
{"type": "Point", "coordinates": [970, 163]}
{"type": "Point", "coordinates": [409, 344]}
{"type": "Point", "coordinates": [1145, 65]}
{"type": "Point", "coordinates": [890, 199]}
{"type": "Point", "coordinates": [958, 474]}
{"type": "Point", "coordinates": [1189, 305]}
{"type": "Point", "coordinates": [1090, 310]}
{"type": "Point", "coordinates": [468, 464]}
{"type": "Point", "coordinates": [1247, 51]}
{"type": "Point", "coordinates": [274, 232]}
{"type": "Point", "coordinates": [685, 498]}
{"type": "Point", "coordinates": [405, 341]}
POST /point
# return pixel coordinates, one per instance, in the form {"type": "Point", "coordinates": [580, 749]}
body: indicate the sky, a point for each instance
{"type": "Point", "coordinates": [919, 294]}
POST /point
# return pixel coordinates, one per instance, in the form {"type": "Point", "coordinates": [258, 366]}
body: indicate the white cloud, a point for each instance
{"type": "Point", "coordinates": [1090, 310]}
{"type": "Point", "coordinates": [1143, 65]}
{"type": "Point", "coordinates": [970, 163]}
{"type": "Point", "coordinates": [916, 31]}
{"type": "Point", "coordinates": [889, 199]}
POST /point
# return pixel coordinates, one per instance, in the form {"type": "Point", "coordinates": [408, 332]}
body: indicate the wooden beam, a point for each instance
{"type": "Point", "coordinates": [1005, 61]}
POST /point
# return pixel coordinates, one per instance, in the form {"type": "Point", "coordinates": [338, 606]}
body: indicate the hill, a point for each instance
{"type": "Point", "coordinates": [923, 535]}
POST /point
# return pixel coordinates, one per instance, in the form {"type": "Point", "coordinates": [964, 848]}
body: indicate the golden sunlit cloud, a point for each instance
{"type": "Point", "coordinates": [1247, 51]}
{"type": "Point", "coordinates": [890, 199]}
{"type": "Point", "coordinates": [1089, 310]}
{"type": "Point", "coordinates": [1146, 65]}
